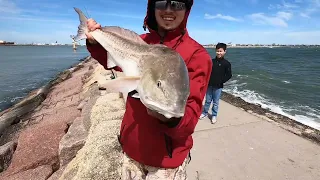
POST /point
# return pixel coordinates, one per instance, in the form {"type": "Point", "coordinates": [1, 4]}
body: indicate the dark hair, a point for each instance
{"type": "Point", "coordinates": [189, 3]}
{"type": "Point", "coordinates": [151, 21]}
{"type": "Point", "coordinates": [221, 45]}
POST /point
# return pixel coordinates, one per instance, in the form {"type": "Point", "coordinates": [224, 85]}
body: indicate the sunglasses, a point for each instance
{"type": "Point", "coordinates": [174, 5]}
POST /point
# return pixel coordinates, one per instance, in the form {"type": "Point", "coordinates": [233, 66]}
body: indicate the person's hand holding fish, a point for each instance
{"type": "Point", "coordinates": [158, 115]}
{"type": "Point", "coordinates": [92, 25]}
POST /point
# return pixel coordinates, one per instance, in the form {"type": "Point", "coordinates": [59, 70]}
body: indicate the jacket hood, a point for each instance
{"type": "Point", "coordinates": [150, 19]}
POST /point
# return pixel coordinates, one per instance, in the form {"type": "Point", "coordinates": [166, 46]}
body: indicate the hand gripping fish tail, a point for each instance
{"type": "Point", "coordinates": [82, 28]}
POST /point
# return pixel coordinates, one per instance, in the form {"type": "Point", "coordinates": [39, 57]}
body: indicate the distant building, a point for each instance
{"type": "Point", "coordinates": [6, 43]}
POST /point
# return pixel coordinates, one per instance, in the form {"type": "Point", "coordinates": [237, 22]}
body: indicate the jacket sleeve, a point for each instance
{"type": "Point", "coordinates": [199, 68]}
{"type": "Point", "coordinates": [228, 73]}
{"type": "Point", "coordinates": [100, 54]}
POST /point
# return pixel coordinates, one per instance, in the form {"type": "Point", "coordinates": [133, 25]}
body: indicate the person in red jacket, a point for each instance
{"type": "Point", "coordinates": [153, 146]}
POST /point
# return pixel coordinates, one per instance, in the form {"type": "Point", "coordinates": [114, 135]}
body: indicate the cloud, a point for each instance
{"type": "Point", "coordinates": [253, 1]}
{"type": "Point", "coordinates": [32, 18]}
{"type": "Point", "coordinates": [304, 15]}
{"type": "Point", "coordinates": [313, 7]}
{"type": "Point", "coordinates": [279, 20]}
{"type": "Point", "coordinates": [284, 15]}
{"type": "Point", "coordinates": [303, 8]}
{"type": "Point", "coordinates": [120, 15]}
{"type": "Point", "coordinates": [7, 6]}
{"type": "Point", "coordinates": [226, 3]}
{"type": "Point", "coordinates": [220, 16]}
{"type": "Point", "coordinates": [117, 2]}
{"type": "Point", "coordinates": [46, 5]}
{"type": "Point", "coordinates": [255, 36]}
{"type": "Point", "coordinates": [303, 34]}
{"type": "Point", "coordinates": [284, 5]}
{"type": "Point", "coordinates": [316, 2]}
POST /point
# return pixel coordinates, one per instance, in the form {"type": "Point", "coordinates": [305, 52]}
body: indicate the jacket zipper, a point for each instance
{"type": "Point", "coordinates": [119, 136]}
{"type": "Point", "coordinates": [168, 142]}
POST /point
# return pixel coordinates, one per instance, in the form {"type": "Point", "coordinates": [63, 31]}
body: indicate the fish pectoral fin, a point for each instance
{"type": "Point", "coordinates": [110, 61]}
{"type": "Point", "coordinates": [122, 84]}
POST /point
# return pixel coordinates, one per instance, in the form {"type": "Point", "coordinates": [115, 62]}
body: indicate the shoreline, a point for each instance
{"type": "Point", "coordinates": [11, 117]}
{"type": "Point", "coordinates": [59, 77]}
{"type": "Point", "coordinates": [284, 122]}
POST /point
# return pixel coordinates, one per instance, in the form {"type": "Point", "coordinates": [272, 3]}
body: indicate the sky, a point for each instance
{"type": "Point", "coordinates": [210, 21]}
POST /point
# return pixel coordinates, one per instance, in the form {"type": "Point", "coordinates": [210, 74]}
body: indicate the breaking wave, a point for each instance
{"type": "Point", "coordinates": [303, 114]}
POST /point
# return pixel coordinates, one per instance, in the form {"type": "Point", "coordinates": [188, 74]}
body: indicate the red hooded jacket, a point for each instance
{"type": "Point", "coordinates": [143, 137]}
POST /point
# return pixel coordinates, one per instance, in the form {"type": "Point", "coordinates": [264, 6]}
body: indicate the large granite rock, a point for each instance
{"type": "Point", "coordinates": [62, 76]}
{"type": "Point", "coordinates": [91, 97]}
{"type": "Point", "coordinates": [67, 115]}
{"type": "Point", "coordinates": [56, 175]}
{"type": "Point", "coordinates": [6, 152]}
{"type": "Point", "coordinates": [39, 173]}
{"type": "Point", "coordinates": [72, 142]}
{"type": "Point", "coordinates": [25, 106]}
{"type": "Point", "coordinates": [48, 111]}
{"type": "Point", "coordinates": [37, 146]}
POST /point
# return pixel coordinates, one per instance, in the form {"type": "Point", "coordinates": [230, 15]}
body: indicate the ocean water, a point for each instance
{"type": "Point", "coordinates": [283, 80]}
{"type": "Point", "coordinates": [25, 68]}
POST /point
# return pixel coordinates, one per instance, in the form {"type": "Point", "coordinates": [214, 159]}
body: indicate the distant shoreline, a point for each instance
{"type": "Point", "coordinates": [293, 46]}
{"type": "Point", "coordinates": [37, 45]}
{"type": "Point", "coordinates": [205, 46]}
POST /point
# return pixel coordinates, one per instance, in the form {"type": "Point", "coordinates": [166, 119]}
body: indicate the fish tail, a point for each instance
{"type": "Point", "coordinates": [82, 28]}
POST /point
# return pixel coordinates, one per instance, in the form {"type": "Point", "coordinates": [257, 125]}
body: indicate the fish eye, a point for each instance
{"type": "Point", "coordinates": [159, 84]}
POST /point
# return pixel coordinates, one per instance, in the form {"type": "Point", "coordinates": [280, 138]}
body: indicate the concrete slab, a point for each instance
{"type": "Point", "coordinates": [228, 115]}
{"type": "Point", "coordinates": [250, 149]}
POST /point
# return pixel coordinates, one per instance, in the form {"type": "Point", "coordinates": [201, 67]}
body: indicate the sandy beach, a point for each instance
{"type": "Point", "coordinates": [71, 133]}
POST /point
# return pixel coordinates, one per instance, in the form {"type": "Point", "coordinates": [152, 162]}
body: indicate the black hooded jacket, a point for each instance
{"type": "Point", "coordinates": [221, 72]}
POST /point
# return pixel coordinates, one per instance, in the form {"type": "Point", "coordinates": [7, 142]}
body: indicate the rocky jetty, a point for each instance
{"type": "Point", "coordinates": [64, 130]}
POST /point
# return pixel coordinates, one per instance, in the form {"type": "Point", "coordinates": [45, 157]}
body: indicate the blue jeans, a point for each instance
{"type": "Point", "coordinates": [213, 95]}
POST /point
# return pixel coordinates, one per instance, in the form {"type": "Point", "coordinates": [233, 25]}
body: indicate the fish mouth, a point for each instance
{"type": "Point", "coordinates": [161, 109]}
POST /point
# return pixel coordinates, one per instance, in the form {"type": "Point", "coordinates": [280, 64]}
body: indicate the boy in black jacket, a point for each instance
{"type": "Point", "coordinates": [221, 73]}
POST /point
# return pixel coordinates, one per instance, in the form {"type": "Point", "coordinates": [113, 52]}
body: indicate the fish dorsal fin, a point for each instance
{"type": "Point", "coordinates": [125, 33]}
